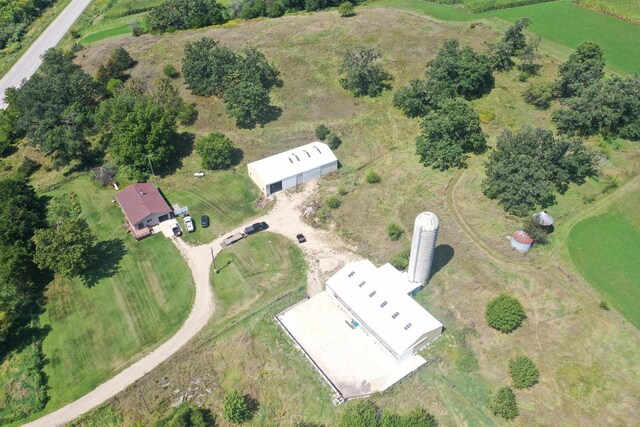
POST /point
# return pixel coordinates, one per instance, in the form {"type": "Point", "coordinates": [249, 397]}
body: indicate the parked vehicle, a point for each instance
{"type": "Point", "coordinates": [232, 239]}
{"type": "Point", "coordinates": [204, 221]}
{"type": "Point", "coordinates": [177, 231]}
{"type": "Point", "coordinates": [198, 174]}
{"type": "Point", "coordinates": [254, 228]}
{"type": "Point", "coordinates": [188, 224]}
{"type": "Point", "coordinates": [301, 238]}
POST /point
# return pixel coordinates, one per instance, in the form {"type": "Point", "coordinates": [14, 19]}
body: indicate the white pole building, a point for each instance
{"type": "Point", "coordinates": [293, 167]}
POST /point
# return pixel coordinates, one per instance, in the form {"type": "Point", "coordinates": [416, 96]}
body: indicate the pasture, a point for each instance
{"type": "Point", "coordinates": [605, 250]}
{"type": "Point", "coordinates": [562, 23]}
{"type": "Point", "coordinates": [588, 375]}
{"type": "Point", "coordinates": [628, 10]}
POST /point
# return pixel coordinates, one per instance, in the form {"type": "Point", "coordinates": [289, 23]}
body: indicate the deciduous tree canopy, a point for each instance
{"type": "Point", "coordinates": [449, 134]}
{"type": "Point", "coordinates": [529, 166]}
{"type": "Point", "coordinates": [174, 15]}
{"type": "Point", "coordinates": [584, 67]}
{"type": "Point", "coordinates": [216, 151]}
{"type": "Point", "coordinates": [361, 72]}
{"type": "Point", "coordinates": [55, 108]}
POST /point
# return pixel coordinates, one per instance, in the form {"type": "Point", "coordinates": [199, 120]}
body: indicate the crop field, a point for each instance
{"type": "Point", "coordinates": [142, 294]}
{"type": "Point", "coordinates": [588, 375]}
{"type": "Point", "coordinates": [562, 23]}
{"type": "Point", "coordinates": [605, 250]}
{"type": "Point", "coordinates": [628, 10]}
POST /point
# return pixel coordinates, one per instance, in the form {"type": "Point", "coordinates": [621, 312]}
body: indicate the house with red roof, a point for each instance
{"type": "Point", "coordinates": [143, 207]}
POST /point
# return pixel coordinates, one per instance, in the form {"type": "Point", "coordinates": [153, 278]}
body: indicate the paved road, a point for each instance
{"type": "Point", "coordinates": [323, 252]}
{"type": "Point", "coordinates": [32, 58]}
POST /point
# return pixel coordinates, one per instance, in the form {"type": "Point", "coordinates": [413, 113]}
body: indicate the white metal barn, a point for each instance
{"type": "Point", "coordinates": [293, 167]}
{"type": "Point", "coordinates": [378, 299]}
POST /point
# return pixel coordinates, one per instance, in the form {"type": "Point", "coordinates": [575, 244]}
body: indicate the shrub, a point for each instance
{"type": "Point", "coordinates": [321, 132]}
{"type": "Point", "coordinates": [540, 96]}
{"type": "Point", "coordinates": [394, 231]}
{"type": "Point", "coordinates": [360, 413]}
{"type": "Point", "coordinates": [187, 114]}
{"type": "Point", "coordinates": [216, 151]}
{"type": "Point", "coordinates": [361, 72]}
{"type": "Point", "coordinates": [610, 184]}
{"type": "Point", "coordinates": [342, 190]}
{"type": "Point", "coordinates": [505, 313]}
{"type": "Point", "coordinates": [604, 305]}
{"type": "Point", "coordinates": [346, 9]}
{"type": "Point", "coordinates": [372, 177]}
{"type": "Point", "coordinates": [504, 403]}
{"type": "Point", "coordinates": [401, 259]}
{"type": "Point", "coordinates": [170, 71]}
{"type": "Point", "coordinates": [524, 373]}
{"type": "Point", "coordinates": [187, 416]}
{"type": "Point", "coordinates": [588, 199]}
{"type": "Point", "coordinates": [333, 141]}
{"type": "Point", "coordinates": [333, 202]}
{"type": "Point", "coordinates": [235, 408]}
{"type": "Point", "coordinates": [136, 29]}
{"type": "Point", "coordinates": [535, 231]}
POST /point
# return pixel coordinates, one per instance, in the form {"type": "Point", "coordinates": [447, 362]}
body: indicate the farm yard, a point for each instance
{"type": "Point", "coordinates": [587, 374]}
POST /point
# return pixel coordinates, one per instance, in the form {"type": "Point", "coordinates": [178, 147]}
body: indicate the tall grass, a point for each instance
{"type": "Point", "coordinates": [477, 6]}
{"type": "Point", "coordinates": [629, 10]}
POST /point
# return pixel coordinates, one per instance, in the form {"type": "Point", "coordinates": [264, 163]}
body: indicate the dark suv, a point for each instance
{"type": "Point", "coordinates": [254, 228]}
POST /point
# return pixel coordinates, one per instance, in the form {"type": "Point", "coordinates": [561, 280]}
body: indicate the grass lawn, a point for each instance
{"type": "Point", "coordinates": [258, 268]}
{"type": "Point", "coordinates": [144, 296]}
{"type": "Point", "coordinates": [605, 250]}
{"type": "Point", "coordinates": [561, 22]}
{"type": "Point", "coordinates": [629, 10]}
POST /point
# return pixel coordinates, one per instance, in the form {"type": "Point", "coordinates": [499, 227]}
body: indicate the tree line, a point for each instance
{"type": "Point", "coordinates": [16, 16]}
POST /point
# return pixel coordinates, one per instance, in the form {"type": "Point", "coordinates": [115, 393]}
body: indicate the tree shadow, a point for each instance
{"type": "Point", "coordinates": [441, 257]}
{"type": "Point", "coordinates": [184, 147]}
{"type": "Point", "coordinates": [107, 255]}
{"type": "Point", "coordinates": [271, 114]}
{"type": "Point", "coordinates": [252, 405]}
{"type": "Point", "coordinates": [236, 156]}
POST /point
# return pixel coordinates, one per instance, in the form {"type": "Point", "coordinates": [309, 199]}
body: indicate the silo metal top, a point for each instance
{"type": "Point", "coordinates": [427, 221]}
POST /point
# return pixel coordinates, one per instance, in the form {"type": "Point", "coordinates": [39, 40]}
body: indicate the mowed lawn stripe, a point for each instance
{"type": "Point", "coordinates": [605, 249]}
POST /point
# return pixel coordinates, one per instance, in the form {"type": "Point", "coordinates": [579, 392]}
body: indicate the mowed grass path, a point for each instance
{"type": "Point", "coordinates": [606, 250]}
{"type": "Point", "coordinates": [561, 22]}
{"type": "Point", "coordinates": [96, 331]}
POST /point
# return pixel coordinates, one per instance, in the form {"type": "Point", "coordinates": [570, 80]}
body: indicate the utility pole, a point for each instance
{"type": "Point", "coordinates": [213, 258]}
{"type": "Point", "coordinates": [151, 167]}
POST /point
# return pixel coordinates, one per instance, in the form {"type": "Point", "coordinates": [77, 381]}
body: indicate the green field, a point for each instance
{"type": "Point", "coordinates": [606, 249]}
{"type": "Point", "coordinates": [97, 331]}
{"type": "Point", "coordinates": [628, 10]}
{"type": "Point", "coordinates": [560, 22]}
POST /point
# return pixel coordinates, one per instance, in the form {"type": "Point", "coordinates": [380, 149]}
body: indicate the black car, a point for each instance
{"type": "Point", "coordinates": [204, 221]}
{"type": "Point", "coordinates": [254, 228]}
{"type": "Point", "coordinates": [301, 238]}
{"type": "Point", "coordinates": [176, 230]}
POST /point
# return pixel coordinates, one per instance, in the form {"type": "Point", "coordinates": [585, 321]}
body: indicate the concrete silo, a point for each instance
{"type": "Point", "coordinates": [423, 245]}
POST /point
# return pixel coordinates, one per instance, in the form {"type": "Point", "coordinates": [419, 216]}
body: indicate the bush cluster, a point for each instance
{"type": "Point", "coordinates": [235, 408]}
{"type": "Point", "coordinates": [505, 313]}
{"type": "Point", "coordinates": [524, 373]}
{"type": "Point", "coordinates": [172, 15]}
{"type": "Point", "coordinates": [504, 404]}
{"type": "Point", "coordinates": [333, 202]}
{"type": "Point", "coordinates": [372, 177]}
{"type": "Point", "coordinates": [394, 231]}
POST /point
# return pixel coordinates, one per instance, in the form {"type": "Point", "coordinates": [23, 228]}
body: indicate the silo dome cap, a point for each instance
{"type": "Point", "coordinates": [543, 219]}
{"type": "Point", "coordinates": [522, 237]}
{"type": "Point", "coordinates": [427, 221]}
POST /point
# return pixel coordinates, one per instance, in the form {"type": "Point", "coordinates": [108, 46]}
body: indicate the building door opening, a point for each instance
{"type": "Point", "coordinates": [275, 187]}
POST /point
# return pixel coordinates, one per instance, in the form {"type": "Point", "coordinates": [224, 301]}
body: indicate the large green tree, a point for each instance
{"type": "Point", "coordinates": [24, 211]}
{"type": "Point", "coordinates": [216, 151]}
{"type": "Point", "coordinates": [449, 134]}
{"type": "Point", "coordinates": [66, 249]}
{"type": "Point", "coordinates": [55, 108]}
{"type": "Point", "coordinates": [362, 73]}
{"type": "Point", "coordinates": [115, 67]}
{"type": "Point", "coordinates": [529, 166]}
{"type": "Point", "coordinates": [610, 107]}
{"type": "Point", "coordinates": [465, 72]}
{"type": "Point", "coordinates": [206, 66]}
{"type": "Point", "coordinates": [174, 15]}
{"type": "Point", "coordinates": [247, 102]}
{"type": "Point", "coordinates": [584, 67]}
{"type": "Point", "coordinates": [137, 130]}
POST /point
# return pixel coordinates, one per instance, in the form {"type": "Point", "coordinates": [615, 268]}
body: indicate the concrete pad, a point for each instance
{"type": "Point", "coordinates": [355, 363]}
{"type": "Point", "coordinates": [165, 227]}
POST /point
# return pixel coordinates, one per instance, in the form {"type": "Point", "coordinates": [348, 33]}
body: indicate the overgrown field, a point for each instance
{"type": "Point", "coordinates": [629, 10]}
{"type": "Point", "coordinates": [605, 250]}
{"type": "Point", "coordinates": [562, 23]}
{"type": "Point", "coordinates": [477, 6]}
{"type": "Point", "coordinates": [589, 375]}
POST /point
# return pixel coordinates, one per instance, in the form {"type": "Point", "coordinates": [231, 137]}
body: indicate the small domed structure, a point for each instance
{"type": "Point", "coordinates": [521, 241]}
{"type": "Point", "coordinates": [543, 219]}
